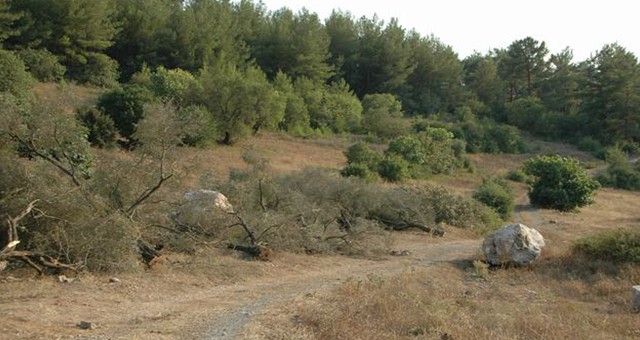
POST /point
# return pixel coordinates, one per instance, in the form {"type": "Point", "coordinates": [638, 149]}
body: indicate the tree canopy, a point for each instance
{"type": "Point", "coordinates": [317, 69]}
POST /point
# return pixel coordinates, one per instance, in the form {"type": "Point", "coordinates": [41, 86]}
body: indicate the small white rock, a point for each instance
{"type": "Point", "coordinates": [65, 279]}
{"type": "Point", "coordinates": [635, 297]}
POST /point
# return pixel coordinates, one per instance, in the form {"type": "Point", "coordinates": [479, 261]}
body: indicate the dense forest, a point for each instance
{"type": "Point", "coordinates": [246, 68]}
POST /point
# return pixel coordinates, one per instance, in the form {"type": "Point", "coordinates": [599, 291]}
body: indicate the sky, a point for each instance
{"type": "Point", "coordinates": [470, 26]}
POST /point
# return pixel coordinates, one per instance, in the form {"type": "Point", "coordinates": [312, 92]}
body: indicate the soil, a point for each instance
{"type": "Point", "coordinates": [164, 305]}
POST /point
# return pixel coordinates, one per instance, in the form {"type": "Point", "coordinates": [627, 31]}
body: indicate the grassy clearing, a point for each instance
{"type": "Point", "coordinates": [452, 303]}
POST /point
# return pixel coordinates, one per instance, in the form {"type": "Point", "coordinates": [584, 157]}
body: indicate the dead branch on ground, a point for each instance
{"type": "Point", "coordinates": [36, 260]}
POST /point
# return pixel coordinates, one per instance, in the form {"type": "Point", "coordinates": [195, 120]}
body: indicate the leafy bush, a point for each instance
{"type": "Point", "coordinates": [382, 116]}
{"type": "Point", "coordinates": [517, 175]}
{"type": "Point", "coordinates": [525, 113]}
{"type": "Point", "coordinates": [559, 183]}
{"type": "Point", "coordinates": [615, 246]}
{"type": "Point", "coordinates": [102, 129]}
{"type": "Point", "coordinates": [488, 136]}
{"type": "Point", "coordinates": [620, 173]}
{"type": "Point", "coordinates": [590, 144]}
{"type": "Point", "coordinates": [13, 76]}
{"type": "Point", "coordinates": [125, 107]}
{"type": "Point", "coordinates": [98, 70]}
{"type": "Point", "coordinates": [432, 151]}
{"type": "Point", "coordinates": [394, 168]}
{"type": "Point", "coordinates": [171, 85]}
{"type": "Point", "coordinates": [359, 170]}
{"type": "Point", "coordinates": [361, 153]}
{"type": "Point", "coordinates": [199, 124]}
{"type": "Point", "coordinates": [459, 211]}
{"type": "Point", "coordinates": [496, 193]}
{"type": "Point", "coordinates": [42, 64]}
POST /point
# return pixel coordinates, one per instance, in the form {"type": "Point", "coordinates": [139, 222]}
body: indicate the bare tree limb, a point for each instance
{"type": "Point", "coordinates": [246, 228]}
{"type": "Point", "coordinates": [149, 191]}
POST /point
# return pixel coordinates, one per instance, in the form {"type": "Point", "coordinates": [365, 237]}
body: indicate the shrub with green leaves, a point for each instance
{"type": "Point", "coordinates": [42, 64]}
{"type": "Point", "coordinates": [382, 116]}
{"type": "Point", "coordinates": [125, 107]}
{"type": "Point", "coordinates": [517, 175]}
{"type": "Point", "coordinates": [13, 76]}
{"type": "Point", "coordinates": [361, 153]}
{"type": "Point", "coordinates": [496, 193]}
{"type": "Point", "coordinates": [171, 85]}
{"type": "Point", "coordinates": [362, 162]}
{"type": "Point", "coordinates": [620, 173]}
{"type": "Point", "coordinates": [434, 151]}
{"type": "Point", "coordinates": [359, 170]}
{"type": "Point", "coordinates": [559, 183]}
{"type": "Point", "coordinates": [394, 168]}
{"type": "Point", "coordinates": [96, 69]}
{"type": "Point", "coordinates": [459, 211]}
{"type": "Point", "coordinates": [620, 246]}
{"type": "Point", "coordinates": [102, 130]}
{"type": "Point", "coordinates": [590, 144]}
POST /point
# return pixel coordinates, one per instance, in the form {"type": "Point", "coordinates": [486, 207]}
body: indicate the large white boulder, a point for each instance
{"type": "Point", "coordinates": [513, 244]}
{"type": "Point", "coordinates": [200, 207]}
{"type": "Point", "coordinates": [206, 199]}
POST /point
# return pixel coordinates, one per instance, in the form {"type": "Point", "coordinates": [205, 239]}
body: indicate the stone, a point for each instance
{"type": "Point", "coordinates": [114, 280]}
{"type": "Point", "coordinates": [205, 198]}
{"type": "Point", "coordinates": [86, 325]}
{"type": "Point", "coordinates": [635, 297]}
{"type": "Point", "coordinates": [200, 205]}
{"type": "Point", "coordinates": [65, 279]}
{"type": "Point", "coordinates": [513, 244]}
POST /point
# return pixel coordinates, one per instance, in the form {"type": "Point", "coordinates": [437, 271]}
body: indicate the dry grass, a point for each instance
{"type": "Point", "coordinates": [74, 96]}
{"type": "Point", "coordinates": [560, 297]}
{"type": "Point", "coordinates": [284, 154]}
{"type": "Point", "coordinates": [433, 303]}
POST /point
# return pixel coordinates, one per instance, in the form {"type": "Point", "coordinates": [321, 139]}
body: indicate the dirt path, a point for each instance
{"type": "Point", "coordinates": [260, 297]}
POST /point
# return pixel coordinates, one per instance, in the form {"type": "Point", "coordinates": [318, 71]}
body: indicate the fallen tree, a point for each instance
{"type": "Point", "coordinates": [36, 260]}
{"type": "Point", "coordinates": [255, 248]}
{"type": "Point", "coordinates": [403, 225]}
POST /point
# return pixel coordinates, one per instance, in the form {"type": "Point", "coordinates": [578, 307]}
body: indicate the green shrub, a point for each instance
{"type": "Point", "coordinates": [434, 151]}
{"type": "Point", "coordinates": [496, 193]}
{"type": "Point", "coordinates": [42, 64]}
{"type": "Point", "coordinates": [199, 125]}
{"type": "Point", "coordinates": [490, 137]}
{"type": "Point", "coordinates": [459, 211]}
{"type": "Point", "coordinates": [125, 107]}
{"type": "Point", "coordinates": [526, 113]}
{"type": "Point", "coordinates": [620, 173]}
{"type": "Point", "coordinates": [13, 76]}
{"type": "Point", "coordinates": [361, 153]}
{"type": "Point", "coordinates": [382, 116]}
{"type": "Point", "coordinates": [359, 170]}
{"type": "Point", "coordinates": [171, 85]}
{"type": "Point", "coordinates": [394, 168]}
{"type": "Point", "coordinates": [102, 130]}
{"type": "Point", "coordinates": [559, 183]}
{"type": "Point", "coordinates": [589, 144]}
{"type": "Point", "coordinates": [99, 70]}
{"type": "Point", "coordinates": [517, 175]}
{"type": "Point", "coordinates": [615, 246]}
